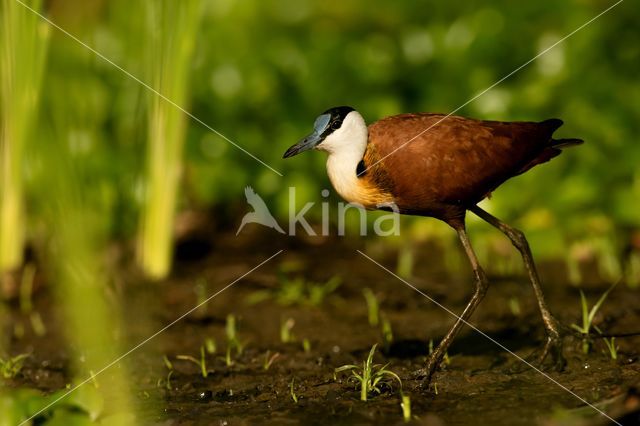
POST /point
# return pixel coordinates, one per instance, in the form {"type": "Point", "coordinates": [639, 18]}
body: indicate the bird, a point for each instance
{"type": "Point", "coordinates": [439, 166]}
{"type": "Point", "coordinates": [260, 214]}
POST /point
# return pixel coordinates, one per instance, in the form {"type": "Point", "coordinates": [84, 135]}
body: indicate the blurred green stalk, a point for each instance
{"type": "Point", "coordinates": [170, 48]}
{"type": "Point", "coordinates": [92, 324]}
{"type": "Point", "coordinates": [76, 245]}
{"type": "Point", "coordinates": [23, 45]}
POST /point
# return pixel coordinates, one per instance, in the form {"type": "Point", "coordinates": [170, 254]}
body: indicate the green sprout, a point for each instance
{"type": "Point", "coordinates": [228, 360]}
{"type": "Point", "coordinates": [233, 342]}
{"type": "Point", "coordinates": [286, 336]}
{"type": "Point", "coordinates": [269, 359]}
{"type": "Point", "coordinates": [202, 292]}
{"type": "Point", "coordinates": [588, 316]}
{"type": "Point", "coordinates": [612, 347]}
{"type": "Point", "coordinates": [319, 291]}
{"type": "Point", "coordinates": [387, 333]}
{"type": "Point", "coordinates": [306, 345]}
{"type": "Point", "coordinates": [370, 377]}
{"type": "Point", "coordinates": [202, 362]}
{"type": "Point", "coordinates": [294, 397]}
{"type": "Point", "coordinates": [167, 381]}
{"type": "Point", "coordinates": [37, 324]}
{"type": "Point", "coordinates": [297, 291]}
{"type": "Point", "coordinates": [231, 328]}
{"type": "Point", "coordinates": [610, 343]}
{"type": "Point", "coordinates": [514, 306]}
{"type": "Point", "coordinates": [373, 308]}
{"type": "Point", "coordinates": [405, 404]}
{"type": "Point", "coordinates": [10, 367]}
{"type": "Point", "coordinates": [167, 363]}
{"type": "Point", "coordinates": [210, 345]}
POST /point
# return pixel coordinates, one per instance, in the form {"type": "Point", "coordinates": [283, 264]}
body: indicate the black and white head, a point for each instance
{"type": "Point", "coordinates": [339, 129]}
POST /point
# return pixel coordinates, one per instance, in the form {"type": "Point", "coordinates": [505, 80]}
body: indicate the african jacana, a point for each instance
{"type": "Point", "coordinates": [438, 166]}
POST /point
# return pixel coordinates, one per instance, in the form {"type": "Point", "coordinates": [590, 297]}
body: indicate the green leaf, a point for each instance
{"type": "Point", "coordinates": [600, 301]}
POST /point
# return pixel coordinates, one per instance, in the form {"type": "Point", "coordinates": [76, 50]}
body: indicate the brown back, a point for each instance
{"type": "Point", "coordinates": [455, 163]}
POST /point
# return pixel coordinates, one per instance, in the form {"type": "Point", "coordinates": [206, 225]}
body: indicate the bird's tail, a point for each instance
{"type": "Point", "coordinates": [552, 125]}
{"type": "Point", "coordinates": [565, 143]}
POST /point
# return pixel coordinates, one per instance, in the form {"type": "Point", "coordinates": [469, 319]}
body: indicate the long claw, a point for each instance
{"type": "Point", "coordinates": [537, 359]}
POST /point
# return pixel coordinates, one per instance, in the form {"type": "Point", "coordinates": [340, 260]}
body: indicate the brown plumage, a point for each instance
{"type": "Point", "coordinates": [456, 163]}
{"type": "Point", "coordinates": [439, 166]}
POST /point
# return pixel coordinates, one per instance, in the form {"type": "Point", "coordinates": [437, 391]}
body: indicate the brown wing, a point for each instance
{"type": "Point", "coordinates": [456, 162]}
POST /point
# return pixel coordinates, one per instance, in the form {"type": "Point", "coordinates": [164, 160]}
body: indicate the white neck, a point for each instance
{"type": "Point", "coordinates": [346, 147]}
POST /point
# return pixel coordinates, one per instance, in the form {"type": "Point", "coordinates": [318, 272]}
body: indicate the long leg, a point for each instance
{"type": "Point", "coordinates": [481, 288]}
{"type": "Point", "coordinates": [554, 343]}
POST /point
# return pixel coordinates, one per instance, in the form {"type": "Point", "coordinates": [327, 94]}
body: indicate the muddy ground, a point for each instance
{"type": "Point", "coordinates": [482, 384]}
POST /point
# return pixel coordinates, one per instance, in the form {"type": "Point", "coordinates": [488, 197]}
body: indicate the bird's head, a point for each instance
{"type": "Point", "coordinates": [334, 130]}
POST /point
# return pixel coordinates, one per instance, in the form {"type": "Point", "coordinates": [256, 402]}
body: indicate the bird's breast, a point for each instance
{"type": "Point", "coordinates": [354, 189]}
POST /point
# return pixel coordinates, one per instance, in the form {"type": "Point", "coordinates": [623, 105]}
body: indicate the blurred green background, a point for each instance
{"type": "Point", "coordinates": [260, 72]}
{"type": "Point", "coordinates": [91, 155]}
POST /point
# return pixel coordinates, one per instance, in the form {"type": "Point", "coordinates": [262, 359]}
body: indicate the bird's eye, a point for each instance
{"type": "Point", "coordinates": [335, 125]}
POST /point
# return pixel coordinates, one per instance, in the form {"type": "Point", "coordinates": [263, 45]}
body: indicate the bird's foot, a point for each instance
{"type": "Point", "coordinates": [425, 375]}
{"type": "Point", "coordinates": [547, 358]}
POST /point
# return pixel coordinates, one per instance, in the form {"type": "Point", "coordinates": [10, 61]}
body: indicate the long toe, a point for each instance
{"type": "Point", "coordinates": [419, 374]}
{"type": "Point", "coordinates": [558, 360]}
{"type": "Point", "coordinates": [551, 358]}
{"type": "Point", "coordinates": [425, 374]}
{"type": "Point", "coordinates": [423, 380]}
{"type": "Point", "coordinates": [519, 366]}
{"type": "Point", "coordinates": [546, 358]}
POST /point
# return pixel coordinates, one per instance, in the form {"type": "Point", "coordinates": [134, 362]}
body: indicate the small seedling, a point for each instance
{"type": "Point", "coordinates": [297, 291]}
{"type": "Point", "coordinates": [405, 404]}
{"type": "Point", "coordinates": [202, 362]}
{"type": "Point", "coordinates": [373, 308]}
{"type": "Point", "coordinates": [10, 367]}
{"type": "Point", "coordinates": [167, 381]}
{"type": "Point", "coordinates": [370, 377]}
{"type": "Point", "coordinates": [167, 363]}
{"type": "Point", "coordinates": [514, 306]}
{"type": "Point", "coordinates": [233, 342]}
{"type": "Point", "coordinates": [610, 343]}
{"type": "Point", "coordinates": [294, 397]}
{"type": "Point", "coordinates": [37, 324]}
{"type": "Point", "coordinates": [319, 291]}
{"type": "Point", "coordinates": [587, 318]}
{"type": "Point", "coordinates": [201, 290]}
{"type": "Point", "coordinates": [611, 346]}
{"type": "Point", "coordinates": [269, 359]}
{"type": "Point", "coordinates": [306, 345]}
{"type": "Point", "coordinates": [286, 336]}
{"type": "Point", "coordinates": [231, 328]}
{"type": "Point", "coordinates": [387, 333]}
{"type": "Point", "coordinates": [232, 336]}
{"type": "Point", "coordinates": [210, 345]}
